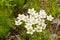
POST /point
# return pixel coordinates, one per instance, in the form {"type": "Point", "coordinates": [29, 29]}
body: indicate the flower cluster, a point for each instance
{"type": "Point", "coordinates": [35, 21]}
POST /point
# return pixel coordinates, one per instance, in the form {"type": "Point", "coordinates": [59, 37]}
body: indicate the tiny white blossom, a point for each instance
{"type": "Point", "coordinates": [41, 21]}
{"type": "Point", "coordinates": [33, 21]}
{"type": "Point", "coordinates": [43, 25]}
{"type": "Point", "coordinates": [35, 15]}
{"type": "Point", "coordinates": [26, 18]}
{"type": "Point", "coordinates": [28, 25]}
{"type": "Point", "coordinates": [38, 29]}
{"type": "Point", "coordinates": [30, 31]}
{"type": "Point", "coordinates": [42, 14]}
{"type": "Point", "coordinates": [31, 11]}
{"type": "Point", "coordinates": [50, 18]}
{"type": "Point", "coordinates": [18, 22]}
{"type": "Point", "coordinates": [30, 20]}
{"type": "Point", "coordinates": [21, 17]}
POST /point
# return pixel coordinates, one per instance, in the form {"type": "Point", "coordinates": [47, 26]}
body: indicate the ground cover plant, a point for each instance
{"type": "Point", "coordinates": [9, 10]}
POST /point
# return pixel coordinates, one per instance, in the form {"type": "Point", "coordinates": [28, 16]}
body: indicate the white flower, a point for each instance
{"type": "Point", "coordinates": [41, 21]}
{"type": "Point", "coordinates": [33, 21]}
{"type": "Point", "coordinates": [30, 20]}
{"type": "Point", "coordinates": [50, 18]}
{"type": "Point", "coordinates": [38, 29]}
{"type": "Point", "coordinates": [28, 25]}
{"type": "Point", "coordinates": [30, 30]}
{"type": "Point", "coordinates": [31, 11]}
{"type": "Point", "coordinates": [43, 25]}
{"type": "Point", "coordinates": [35, 15]}
{"type": "Point", "coordinates": [18, 22]}
{"type": "Point", "coordinates": [21, 17]}
{"type": "Point", "coordinates": [42, 14]}
{"type": "Point", "coordinates": [26, 18]}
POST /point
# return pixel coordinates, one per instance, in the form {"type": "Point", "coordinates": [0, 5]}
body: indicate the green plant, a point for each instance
{"type": "Point", "coordinates": [7, 8]}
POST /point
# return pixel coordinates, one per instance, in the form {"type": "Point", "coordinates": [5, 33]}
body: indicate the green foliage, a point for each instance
{"type": "Point", "coordinates": [4, 26]}
{"type": "Point", "coordinates": [41, 36]}
{"type": "Point", "coordinates": [6, 15]}
{"type": "Point", "coordinates": [34, 4]}
{"type": "Point", "coordinates": [20, 4]}
{"type": "Point", "coordinates": [45, 35]}
{"type": "Point", "coordinates": [5, 18]}
{"type": "Point", "coordinates": [52, 8]}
